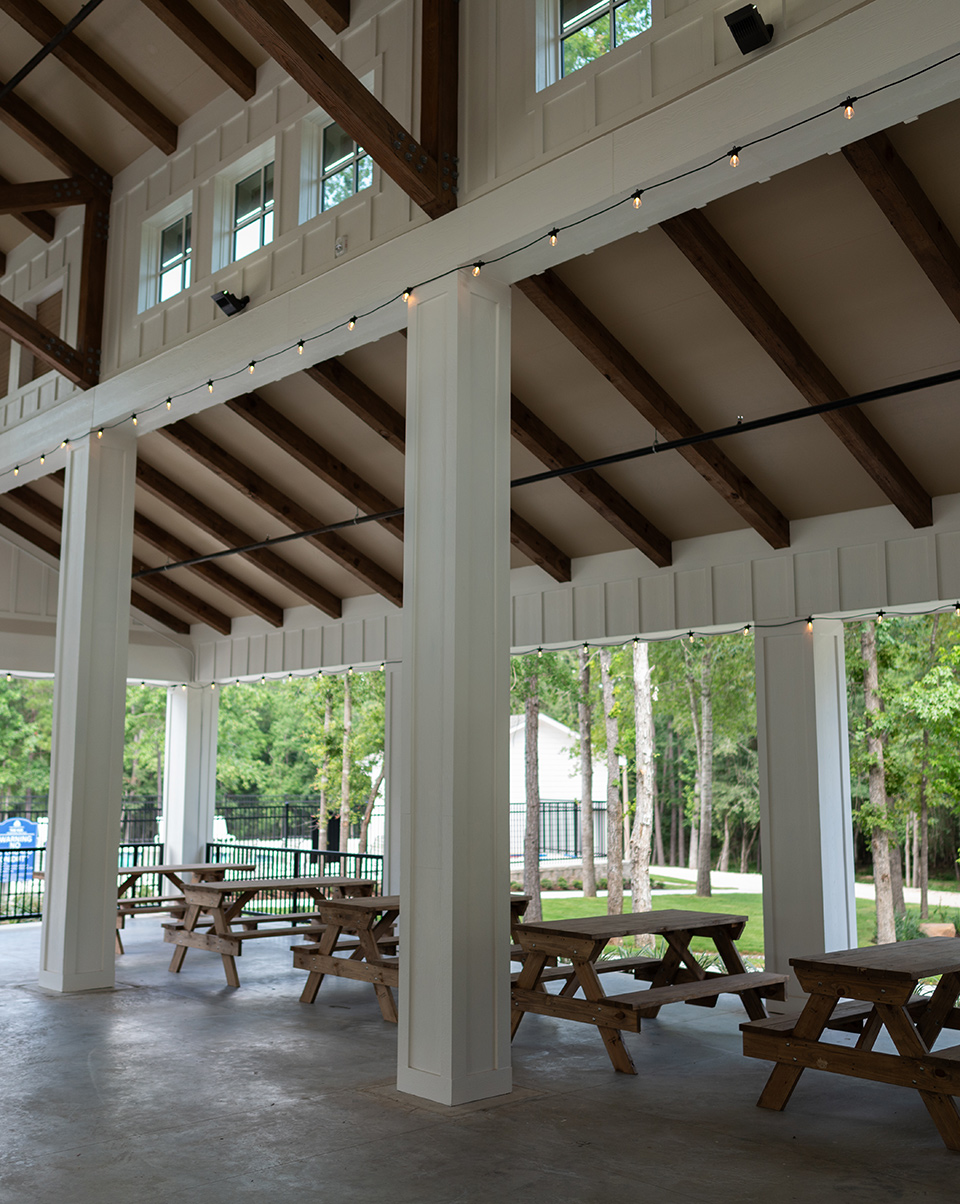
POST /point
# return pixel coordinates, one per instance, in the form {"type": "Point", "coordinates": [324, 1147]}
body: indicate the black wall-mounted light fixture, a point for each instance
{"type": "Point", "coordinates": [229, 303]}
{"type": "Point", "coordinates": [749, 30]}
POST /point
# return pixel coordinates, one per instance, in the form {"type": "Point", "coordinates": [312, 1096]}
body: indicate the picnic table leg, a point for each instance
{"type": "Point", "coordinates": [733, 963]}
{"type": "Point", "coordinates": [222, 928]}
{"type": "Point", "coordinates": [783, 1078]}
{"type": "Point", "coordinates": [529, 979]}
{"type": "Point", "coordinates": [328, 942]}
{"type": "Point", "coordinates": [190, 917]}
{"type": "Point", "coordinates": [669, 967]}
{"type": "Point", "coordinates": [388, 1005]}
{"type": "Point", "coordinates": [593, 990]}
{"type": "Point", "coordinates": [942, 1108]}
{"type": "Point", "coordinates": [930, 1025]}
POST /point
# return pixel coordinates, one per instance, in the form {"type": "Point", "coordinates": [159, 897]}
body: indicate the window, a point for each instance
{"type": "Point", "coordinates": [345, 168]}
{"type": "Point", "coordinates": [175, 257]}
{"type": "Point", "coordinates": [253, 212]}
{"type": "Point", "coordinates": [590, 28]}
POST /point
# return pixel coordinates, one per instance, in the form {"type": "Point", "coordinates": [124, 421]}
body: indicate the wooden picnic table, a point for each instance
{"type": "Point", "coordinates": [130, 875]}
{"type": "Point", "coordinates": [371, 920]}
{"type": "Point", "coordinates": [878, 983]}
{"type": "Point", "coordinates": [227, 928]}
{"type": "Point", "coordinates": [677, 977]}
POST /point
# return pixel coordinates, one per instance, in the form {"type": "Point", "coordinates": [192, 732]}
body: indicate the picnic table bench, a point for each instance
{"type": "Point", "coordinates": [213, 918]}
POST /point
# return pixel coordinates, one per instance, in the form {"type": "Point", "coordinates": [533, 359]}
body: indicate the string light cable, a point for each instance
{"type": "Point", "coordinates": [552, 234]}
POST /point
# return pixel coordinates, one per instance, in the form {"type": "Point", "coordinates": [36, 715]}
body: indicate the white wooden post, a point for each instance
{"type": "Point", "coordinates": [190, 772]}
{"type": "Point", "coordinates": [806, 832]}
{"type": "Point", "coordinates": [393, 781]}
{"type": "Point", "coordinates": [89, 701]}
{"type": "Point", "coordinates": [454, 1039]}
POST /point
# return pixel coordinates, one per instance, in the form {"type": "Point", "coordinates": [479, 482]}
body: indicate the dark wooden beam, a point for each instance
{"type": "Point", "coordinates": [47, 544]}
{"type": "Point", "coordinates": [243, 478]}
{"type": "Point", "coordinates": [44, 344]}
{"type": "Point", "coordinates": [608, 355]}
{"type": "Point", "coordinates": [207, 43]}
{"type": "Point", "coordinates": [439, 85]}
{"type": "Point", "coordinates": [336, 13]}
{"type": "Point", "coordinates": [232, 536]}
{"type": "Point", "coordinates": [38, 222]}
{"type": "Point", "coordinates": [287, 435]}
{"type": "Point", "coordinates": [361, 400]}
{"type": "Point", "coordinates": [732, 281]}
{"type": "Point", "coordinates": [55, 194]}
{"type": "Point", "coordinates": [97, 74]}
{"type": "Point", "coordinates": [381, 417]}
{"type": "Point", "coordinates": [254, 602]}
{"type": "Point", "coordinates": [93, 284]}
{"type": "Point", "coordinates": [910, 211]}
{"type": "Point", "coordinates": [167, 588]}
{"type": "Point", "coordinates": [533, 434]}
{"type": "Point", "coordinates": [326, 80]}
{"type": "Point", "coordinates": [49, 142]}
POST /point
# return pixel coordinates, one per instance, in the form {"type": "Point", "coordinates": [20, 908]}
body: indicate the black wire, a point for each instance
{"type": "Point", "coordinates": [49, 48]}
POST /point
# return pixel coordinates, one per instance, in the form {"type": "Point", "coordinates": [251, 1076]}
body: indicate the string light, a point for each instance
{"type": "Point", "coordinates": [691, 636]}
{"type": "Point", "coordinates": [383, 666]}
{"type": "Point", "coordinates": [16, 471]}
{"type": "Point", "coordinates": [213, 685]}
{"type": "Point", "coordinates": [540, 654]}
{"type": "Point", "coordinates": [9, 677]}
{"type": "Point", "coordinates": [352, 322]}
{"type": "Point", "coordinates": [735, 156]}
{"type": "Point", "coordinates": [879, 616]}
{"type": "Point", "coordinates": [300, 347]}
{"type": "Point", "coordinates": [133, 419]}
{"type": "Point", "coordinates": [956, 608]}
{"type": "Point", "coordinates": [99, 435]}
{"type": "Point", "coordinates": [251, 366]}
{"type": "Point", "coordinates": [209, 386]}
{"type": "Point", "coordinates": [637, 201]}
{"type": "Point", "coordinates": [554, 235]}
{"type": "Point", "coordinates": [169, 402]}
{"type": "Point", "coordinates": [183, 687]}
{"type": "Point", "coordinates": [477, 267]}
{"type": "Point", "coordinates": [406, 294]}
{"type": "Point", "coordinates": [848, 109]}
{"type": "Point", "coordinates": [65, 442]}
{"type": "Point", "coordinates": [746, 629]}
{"type": "Point", "coordinates": [810, 623]}
{"type": "Point", "coordinates": [43, 458]}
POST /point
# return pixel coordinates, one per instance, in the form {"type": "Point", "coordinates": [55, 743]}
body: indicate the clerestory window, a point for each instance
{"type": "Point", "coordinates": [591, 28]}
{"type": "Point", "coordinates": [176, 254]}
{"type": "Point", "coordinates": [345, 167]}
{"type": "Point", "coordinates": [253, 212]}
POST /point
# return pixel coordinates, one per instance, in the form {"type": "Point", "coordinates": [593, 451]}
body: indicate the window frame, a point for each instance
{"type": "Point", "coordinates": [352, 161]}
{"type": "Point", "coordinates": [266, 210]}
{"type": "Point", "coordinates": [151, 232]}
{"type": "Point", "coordinates": [600, 8]}
{"type": "Point", "coordinates": [224, 197]}
{"type": "Point", "coordinates": [183, 261]}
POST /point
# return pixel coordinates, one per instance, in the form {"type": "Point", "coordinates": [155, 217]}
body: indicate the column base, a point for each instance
{"type": "Point", "coordinates": [466, 1090]}
{"type": "Point", "coordinates": [71, 983]}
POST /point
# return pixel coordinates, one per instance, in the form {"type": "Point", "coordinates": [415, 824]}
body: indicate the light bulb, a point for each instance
{"type": "Point", "coordinates": [554, 235]}
{"type": "Point", "coordinates": [300, 347]}
{"type": "Point", "coordinates": [43, 458]}
{"type": "Point", "coordinates": [406, 293]}
{"type": "Point", "coordinates": [64, 442]}
{"type": "Point", "coordinates": [746, 629]}
{"type": "Point", "coordinates": [810, 624]}
{"type": "Point", "coordinates": [9, 677]}
{"type": "Point", "coordinates": [169, 402]}
{"type": "Point", "coordinates": [848, 109]}
{"type": "Point", "coordinates": [351, 323]}
{"type": "Point", "coordinates": [99, 436]}
{"type": "Point", "coordinates": [209, 386]}
{"type": "Point", "coordinates": [539, 654]}
{"type": "Point", "coordinates": [383, 663]}
{"type": "Point", "coordinates": [251, 366]}
{"type": "Point", "coordinates": [735, 157]}
{"type": "Point", "coordinates": [956, 607]}
{"type": "Point", "coordinates": [133, 419]}
{"type": "Point", "coordinates": [637, 202]}
{"type": "Point", "coordinates": [879, 616]}
{"type": "Point", "coordinates": [16, 471]}
{"type": "Point", "coordinates": [213, 685]}
{"type": "Point", "coordinates": [476, 267]}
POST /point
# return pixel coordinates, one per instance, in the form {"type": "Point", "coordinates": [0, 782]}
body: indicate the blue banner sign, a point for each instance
{"type": "Point", "coordinates": [18, 839]}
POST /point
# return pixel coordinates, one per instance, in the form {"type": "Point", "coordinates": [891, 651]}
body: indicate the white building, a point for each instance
{"type": "Point", "coordinates": [531, 272]}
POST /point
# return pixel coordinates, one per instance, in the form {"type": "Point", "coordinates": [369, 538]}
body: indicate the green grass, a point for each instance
{"type": "Point", "coordinates": [750, 906]}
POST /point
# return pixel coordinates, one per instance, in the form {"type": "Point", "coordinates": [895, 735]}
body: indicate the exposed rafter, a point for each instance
{"type": "Point", "coordinates": [54, 194]}
{"type": "Point", "coordinates": [155, 535]}
{"type": "Point", "coordinates": [205, 451]}
{"type": "Point", "coordinates": [207, 43]}
{"type": "Point", "coordinates": [297, 443]}
{"type": "Point", "coordinates": [533, 434]}
{"type": "Point", "coordinates": [98, 75]}
{"type": "Point", "coordinates": [380, 416]}
{"type": "Point", "coordinates": [910, 211]}
{"type": "Point", "coordinates": [730, 278]}
{"type": "Point", "coordinates": [439, 84]}
{"type": "Point", "coordinates": [13, 522]}
{"type": "Point", "coordinates": [167, 588]}
{"type": "Point", "coordinates": [336, 13]}
{"type": "Point", "coordinates": [608, 355]}
{"type": "Point", "coordinates": [49, 142]}
{"type": "Point", "coordinates": [147, 605]}
{"type": "Point", "coordinates": [324, 78]}
{"type": "Point", "coordinates": [232, 536]}
{"type": "Point", "coordinates": [44, 344]}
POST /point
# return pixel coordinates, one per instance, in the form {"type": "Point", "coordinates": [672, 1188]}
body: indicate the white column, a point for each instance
{"type": "Point", "coordinates": [806, 832]}
{"type": "Point", "coordinates": [454, 1039]}
{"type": "Point", "coordinates": [89, 700]}
{"type": "Point", "coordinates": [393, 781]}
{"type": "Point", "coordinates": [190, 772]}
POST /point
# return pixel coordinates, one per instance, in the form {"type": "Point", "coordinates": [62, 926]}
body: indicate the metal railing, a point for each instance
{"type": "Point", "coordinates": [21, 895]}
{"type": "Point", "coordinates": [296, 863]}
{"type": "Point", "coordinates": [559, 829]}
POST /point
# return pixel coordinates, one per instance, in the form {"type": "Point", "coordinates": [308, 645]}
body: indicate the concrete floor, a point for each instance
{"type": "Point", "coordinates": [172, 1087]}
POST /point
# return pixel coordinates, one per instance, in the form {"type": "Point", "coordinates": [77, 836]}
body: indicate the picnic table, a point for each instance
{"type": "Point", "coordinates": [677, 977]}
{"type": "Point", "coordinates": [218, 906]}
{"type": "Point", "coordinates": [371, 920]}
{"type": "Point", "coordinates": [130, 875]}
{"type": "Point", "coordinates": [865, 991]}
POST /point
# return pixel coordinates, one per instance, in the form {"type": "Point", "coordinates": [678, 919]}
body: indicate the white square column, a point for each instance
{"type": "Point", "coordinates": [89, 702]}
{"type": "Point", "coordinates": [190, 772]}
{"type": "Point", "coordinates": [806, 832]}
{"type": "Point", "coordinates": [393, 736]}
{"type": "Point", "coordinates": [454, 1039]}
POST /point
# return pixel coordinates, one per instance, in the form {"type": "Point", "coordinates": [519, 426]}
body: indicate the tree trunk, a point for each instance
{"type": "Point", "coordinates": [924, 875]}
{"type": "Point", "coordinates": [640, 837]}
{"type": "Point", "coordinates": [614, 803]}
{"type": "Point", "coordinates": [368, 809]}
{"type": "Point", "coordinates": [345, 775]}
{"type": "Point", "coordinates": [531, 835]}
{"type": "Point", "coordinates": [588, 870]}
{"type": "Point", "coordinates": [324, 772]}
{"type": "Point", "coordinates": [896, 879]}
{"type": "Point", "coordinates": [658, 857]}
{"type": "Point", "coordinates": [724, 863]}
{"type": "Point", "coordinates": [668, 790]}
{"type": "Point", "coordinates": [880, 837]}
{"type": "Point", "coordinates": [706, 775]}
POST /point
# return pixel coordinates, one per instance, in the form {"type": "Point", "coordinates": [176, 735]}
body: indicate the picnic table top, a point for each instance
{"type": "Point", "coordinates": [287, 884]}
{"type": "Point", "coordinates": [364, 903]}
{"type": "Point", "coordinates": [193, 867]}
{"type": "Point", "coordinates": [631, 923]}
{"type": "Point", "coordinates": [906, 960]}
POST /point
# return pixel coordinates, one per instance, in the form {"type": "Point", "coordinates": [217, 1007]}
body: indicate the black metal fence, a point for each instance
{"type": "Point", "coordinates": [252, 821]}
{"type": "Point", "coordinates": [559, 829]}
{"type": "Point", "coordinates": [21, 895]}
{"type": "Point", "coordinates": [296, 863]}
